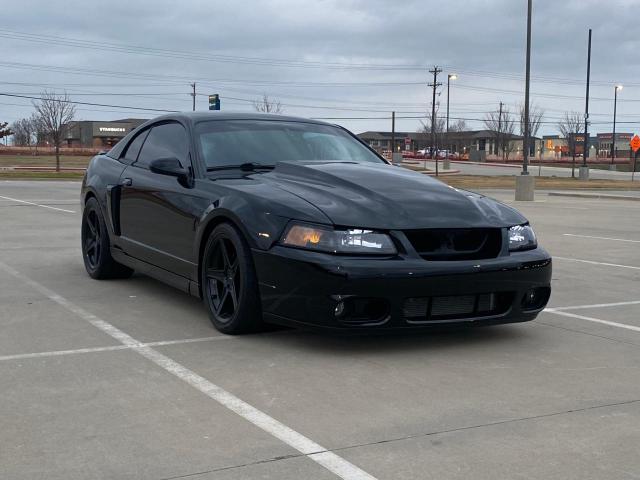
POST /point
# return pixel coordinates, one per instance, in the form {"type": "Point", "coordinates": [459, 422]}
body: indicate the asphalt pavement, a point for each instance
{"type": "Point", "coordinates": [127, 379]}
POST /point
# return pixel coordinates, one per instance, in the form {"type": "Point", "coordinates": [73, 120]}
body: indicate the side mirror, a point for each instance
{"type": "Point", "coordinates": [169, 166]}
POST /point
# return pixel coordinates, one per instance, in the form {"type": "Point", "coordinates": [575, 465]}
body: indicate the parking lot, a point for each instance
{"type": "Point", "coordinates": [128, 379]}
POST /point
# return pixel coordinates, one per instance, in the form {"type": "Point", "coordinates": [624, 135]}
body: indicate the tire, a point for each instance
{"type": "Point", "coordinates": [229, 282]}
{"type": "Point", "coordinates": [96, 254]}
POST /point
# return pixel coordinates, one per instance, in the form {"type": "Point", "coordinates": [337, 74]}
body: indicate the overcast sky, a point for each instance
{"type": "Point", "coordinates": [322, 58]}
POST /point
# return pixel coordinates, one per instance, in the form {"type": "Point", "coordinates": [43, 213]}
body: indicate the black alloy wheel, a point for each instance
{"type": "Point", "coordinates": [223, 279]}
{"type": "Point", "coordinates": [229, 283]}
{"type": "Point", "coordinates": [91, 241]}
{"type": "Point", "coordinates": [95, 245]}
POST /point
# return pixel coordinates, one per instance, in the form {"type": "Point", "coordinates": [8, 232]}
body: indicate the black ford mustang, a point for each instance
{"type": "Point", "coordinates": [293, 221]}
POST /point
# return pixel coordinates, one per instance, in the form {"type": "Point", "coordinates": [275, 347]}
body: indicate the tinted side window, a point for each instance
{"type": "Point", "coordinates": [131, 154]}
{"type": "Point", "coordinates": [164, 141]}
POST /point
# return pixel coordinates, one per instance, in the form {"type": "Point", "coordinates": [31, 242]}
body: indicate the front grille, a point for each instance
{"type": "Point", "coordinates": [452, 306]}
{"type": "Point", "coordinates": [425, 309]}
{"type": "Point", "coordinates": [456, 244]}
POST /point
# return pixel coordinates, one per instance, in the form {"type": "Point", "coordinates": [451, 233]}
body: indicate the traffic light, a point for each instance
{"type": "Point", "coordinates": [214, 102]}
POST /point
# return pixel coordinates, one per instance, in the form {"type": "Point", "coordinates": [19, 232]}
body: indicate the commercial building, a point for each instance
{"type": "Point", "coordinates": [555, 146]}
{"type": "Point", "coordinates": [622, 147]}
{"type": "Point", "coordinates": [477, 143]}
{"type": "Point", "coordinates": [90, 133]}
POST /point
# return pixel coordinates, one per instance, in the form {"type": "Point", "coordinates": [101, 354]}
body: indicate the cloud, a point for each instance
{"type": "Point", "coordinates": [483, 41]}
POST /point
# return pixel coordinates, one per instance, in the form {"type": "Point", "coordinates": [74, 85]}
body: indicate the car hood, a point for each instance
{"type": "Point", "coordinates": [382, 196]}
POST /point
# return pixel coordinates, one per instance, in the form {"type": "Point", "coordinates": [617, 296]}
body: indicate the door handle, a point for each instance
{"type": "Point", "coordinates": [126, 182]}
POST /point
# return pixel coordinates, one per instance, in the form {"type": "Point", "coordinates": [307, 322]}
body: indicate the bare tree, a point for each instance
{"type": "Point", "coordinates": [571, 125]}
{"type": "Point", "coordinates": [23, 132]}
{"type": "Point", "coordinates": [54, 113]}
{"type": "Point", "coordinates": [425, 129]}
{"type": "Point", "coordinates": [501, 125]}
{"type": "Point", "coordinates": [41, 135]}
{"type": "Point", "coordinates": [536, 115]}
{"type": "Point", "coordinates": [267, 105]}
{"type": "Point", "coordinates": [458, 126]}
{"type": "Point", "coordinates": [5, 131]}
{"type": "Point", "coordinates": [27, 132]}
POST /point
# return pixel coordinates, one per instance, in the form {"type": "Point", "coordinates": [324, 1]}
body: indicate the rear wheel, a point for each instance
{"type": "Point", "coordinates": [229, 282]}
{"type": "Point", "coordinates": [95, 245]}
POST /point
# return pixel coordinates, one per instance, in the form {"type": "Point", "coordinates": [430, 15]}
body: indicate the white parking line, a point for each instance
{"type": "Point", "coordinates": [600, 238]}
{"type": "Point", "coordinates": [597, 305]}
{"type": "Point", "coordinates": [312, 450]}
{"type": "Point", "coordinates": [59, 353]}
{"type": "Point", "coordinates": [48, 200]}
{"type": "Point", "coordinates": [596, 263]}
{"type": "Point", "coordinates": [111, 348]}
{"type": "Point", "coordinates": [37, 204]}
{"type": "Point", "coordinates": [592, 319]}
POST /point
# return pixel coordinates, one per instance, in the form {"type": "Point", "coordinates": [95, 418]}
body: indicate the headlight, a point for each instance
{"type": "Point", "coordinates": [326, 239]}
{"type": "Point", "coordinates": [521, 237]}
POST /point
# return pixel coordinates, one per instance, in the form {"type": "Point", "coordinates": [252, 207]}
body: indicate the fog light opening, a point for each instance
{"type": "Point", "coordinates": [535, 298]}
{"type": "Point", "coordinates": [360, 310]}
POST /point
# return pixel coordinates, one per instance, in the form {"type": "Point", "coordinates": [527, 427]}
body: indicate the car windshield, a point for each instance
{"type": "Point", "coordinates": [266, 142]}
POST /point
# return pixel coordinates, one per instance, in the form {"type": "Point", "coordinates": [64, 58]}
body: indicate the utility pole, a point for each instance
{"type": "Point", "coordinates": [193, 85]}
{"type": "Point", "coordinates": [584, 170]}
{"type": "Point", "coordinates": [499, 137]}
{"type": "Point", "coordinates": [435, 85]}
{"type": "Point", "coordinates": [393, 135]}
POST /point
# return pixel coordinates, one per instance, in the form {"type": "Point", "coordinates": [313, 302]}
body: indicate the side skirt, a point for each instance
{"type": "Point", "coordinates": [158, 273]}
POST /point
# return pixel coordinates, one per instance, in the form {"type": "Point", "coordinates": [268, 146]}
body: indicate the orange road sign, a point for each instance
{"type": "Point", "coordinates": [635, 143]}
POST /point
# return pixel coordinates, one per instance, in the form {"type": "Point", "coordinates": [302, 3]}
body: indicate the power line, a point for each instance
{"type": "Point", "coordinates": [173, 79]}
{"type": "Point", "coordinates": [385, 117]}
{"type": "Point", "coordinates": [161, 52]}
{"type": "Point", "coordinates": [90, 103]}
{"type": "Point", "coordinates": [547, 95]}
{"type": "Point", "coordinates": [535, 79]}
{"type": "Point", "coordinates": [424, 116]}
{"type": "Point", "coordinates": [265, 61]}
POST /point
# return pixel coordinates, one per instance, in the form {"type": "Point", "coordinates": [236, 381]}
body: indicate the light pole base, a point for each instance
{"type": "Point", "coordinates": [583, 173]}
{"type": "Point", "coordinates": [396, 158]}
{"type": "Point", "coordinates": [612, 167]}
{"type": "Point", "coordinates": [525, 188]}
{"type": "Point", "coordinates": [446, 164]}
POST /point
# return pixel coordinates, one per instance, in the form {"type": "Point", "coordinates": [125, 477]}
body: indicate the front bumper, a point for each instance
{"type": "Point", "coordinates": [304, 288]}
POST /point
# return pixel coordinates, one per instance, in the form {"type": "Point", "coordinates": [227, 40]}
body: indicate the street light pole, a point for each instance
{"type": "Point", "coordinates": [525, 183]}
{"type": "Point", "coordinates": [451, 76]}
{"type": "Point", "coordinates": [613, 136]}
{"type": "Point", "coordinates": [584, 172]}
{"type": "Point", "coordinates": [525, 157]}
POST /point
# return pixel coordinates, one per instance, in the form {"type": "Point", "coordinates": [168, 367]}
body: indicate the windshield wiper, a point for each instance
{"type": "Point", "coordinates": [245, 167]}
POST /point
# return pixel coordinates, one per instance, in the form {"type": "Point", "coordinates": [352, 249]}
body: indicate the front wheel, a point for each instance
{"type": "Point", "coordinates": [229, 283]}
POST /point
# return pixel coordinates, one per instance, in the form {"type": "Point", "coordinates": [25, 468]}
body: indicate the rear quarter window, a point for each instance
{"type": "Point", "coordinates": [132, 151]}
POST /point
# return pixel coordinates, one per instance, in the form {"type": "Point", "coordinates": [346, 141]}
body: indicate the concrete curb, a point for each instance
{"type": "Point", "coordinates": [432, 173]}
{"type": "Point", "coordinates": [487, 164]}
{"type": "Point", "coordinates": [594, 195]}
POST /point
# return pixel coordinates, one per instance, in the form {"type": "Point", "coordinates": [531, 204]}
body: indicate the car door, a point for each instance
{"type": "Point", "coordinates": [157, 213]}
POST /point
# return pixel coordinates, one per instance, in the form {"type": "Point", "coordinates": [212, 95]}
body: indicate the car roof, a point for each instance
{"type": "Point", "coordinates": [206, 116]}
